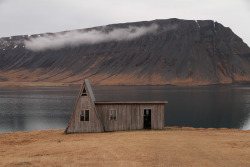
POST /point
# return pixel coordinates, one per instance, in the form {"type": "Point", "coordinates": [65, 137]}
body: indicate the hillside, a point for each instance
{"type": "Point", "coordinates": [159, 52]}
{"type": "Point", "coordinates": [169, 147]}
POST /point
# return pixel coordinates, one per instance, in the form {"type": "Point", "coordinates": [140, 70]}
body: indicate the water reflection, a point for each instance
{"type": "Point", "coordinates": [246, 120]}
{"type": "Point", "coordinates": [216, 107]}
{"type": "Point", "coordinates": [25, 109]}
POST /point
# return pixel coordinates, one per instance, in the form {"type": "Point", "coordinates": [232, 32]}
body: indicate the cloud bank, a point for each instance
{"type": "Point", "coordinates": [76, 38]}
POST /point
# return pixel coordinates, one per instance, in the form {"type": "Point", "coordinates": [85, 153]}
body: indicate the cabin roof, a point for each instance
{"type": "Point", "coordinates": [91, 94]}
{"type": "Point", "coordinates": [131, 102]}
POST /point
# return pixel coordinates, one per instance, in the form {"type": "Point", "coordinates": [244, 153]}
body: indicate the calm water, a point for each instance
{"type": "Point", "coordinates": [25, 109]}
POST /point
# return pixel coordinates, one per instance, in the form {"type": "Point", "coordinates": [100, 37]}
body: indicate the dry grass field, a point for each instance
{"type": "Point", "coordinates": [168, 147]}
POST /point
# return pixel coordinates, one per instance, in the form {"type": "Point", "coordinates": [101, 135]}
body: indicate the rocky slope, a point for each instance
{"type": "Point", "coordinates": [176, 52]}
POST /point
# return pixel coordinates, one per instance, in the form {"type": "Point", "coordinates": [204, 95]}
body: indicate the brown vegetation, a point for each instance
{"type": "Point", "coordinates": [168, 147]}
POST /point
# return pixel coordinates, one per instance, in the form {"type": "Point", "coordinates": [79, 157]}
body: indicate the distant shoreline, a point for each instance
{"type": "Point", "coordinates": [165, 128]}
{"type": "Point", "coordinates": [53, 84]}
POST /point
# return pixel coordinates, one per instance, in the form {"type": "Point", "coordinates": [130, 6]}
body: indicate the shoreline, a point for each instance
{"type": "Point", "coordinates": [45, 84]}
{"type": "Point", "coordinates": [165, 128]}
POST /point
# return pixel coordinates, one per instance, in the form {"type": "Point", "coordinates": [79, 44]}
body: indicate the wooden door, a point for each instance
{"type": "Point", "coordinates": [147, 118]}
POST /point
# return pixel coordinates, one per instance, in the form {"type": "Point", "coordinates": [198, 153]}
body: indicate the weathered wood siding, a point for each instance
{"type": "Point", "coordinates": [130, 116]}
{"type": "Point", "coordinates": [76, 125]}
{"type": "Point", "coordinates": [157, 116]}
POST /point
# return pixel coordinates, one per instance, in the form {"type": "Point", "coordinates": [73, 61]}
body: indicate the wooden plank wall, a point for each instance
{"type": "Point", "coordinates": [130, 116]}
{"type": "Point", "coordinates": [157, 116]}
{"type": "Point", "coordinates": [93, 125]}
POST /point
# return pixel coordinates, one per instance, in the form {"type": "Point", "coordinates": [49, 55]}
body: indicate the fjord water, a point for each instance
{"type": "Point", "coordinates": [41, 108]}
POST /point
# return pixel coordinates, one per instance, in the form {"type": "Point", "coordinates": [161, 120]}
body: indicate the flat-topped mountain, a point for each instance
{"type": "Point", "coordinates": [159, 52]}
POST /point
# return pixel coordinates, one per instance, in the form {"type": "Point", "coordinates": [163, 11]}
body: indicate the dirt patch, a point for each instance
{"type": "Point", "coordinates": [17, 142]}
{"type": "Point", "coordinates": [39, 155]}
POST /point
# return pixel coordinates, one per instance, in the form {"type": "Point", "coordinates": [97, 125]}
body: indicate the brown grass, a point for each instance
{"type": "Point", "coordinates": [56, 77]}
{"type": "Point", "coordinates": [169, 147]}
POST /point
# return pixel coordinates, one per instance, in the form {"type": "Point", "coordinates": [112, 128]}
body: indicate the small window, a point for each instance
{"type": "Point", "coordinates": [84, 115]}
{"type": "Point", "coordinates": [112, 114]}
{"type": "Point", "coordinates": [84, 93]}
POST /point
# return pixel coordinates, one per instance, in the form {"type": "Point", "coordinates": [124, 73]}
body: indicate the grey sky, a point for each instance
{"type": "Point", "coordinates": [21, 17]}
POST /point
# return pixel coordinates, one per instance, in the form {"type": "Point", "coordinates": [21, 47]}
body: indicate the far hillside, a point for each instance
{"type": "Point", "coordinates": [158, 52]}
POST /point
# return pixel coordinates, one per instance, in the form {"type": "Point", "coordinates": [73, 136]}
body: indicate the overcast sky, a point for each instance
{"type": "Point", "coordinates": [24, 17]}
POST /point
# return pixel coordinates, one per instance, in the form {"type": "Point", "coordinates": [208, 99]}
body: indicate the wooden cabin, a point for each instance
{"type": "Point", "coordinates": [90, 115]}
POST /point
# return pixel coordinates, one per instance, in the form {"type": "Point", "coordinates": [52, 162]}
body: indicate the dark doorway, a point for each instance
{"type": "Point", "coordinates": [147, 118]}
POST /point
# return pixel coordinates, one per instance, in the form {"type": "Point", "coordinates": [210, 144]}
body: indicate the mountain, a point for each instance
{"type": "Point", "coordinates": [158, 52]}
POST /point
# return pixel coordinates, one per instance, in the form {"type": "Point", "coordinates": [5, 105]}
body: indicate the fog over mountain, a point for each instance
{"type": "Point", "coordinates": [159, 52]}
{"type": "Point", "coordinates": [76, 38]}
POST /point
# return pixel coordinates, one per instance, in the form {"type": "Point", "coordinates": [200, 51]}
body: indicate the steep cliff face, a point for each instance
{"type": "Point", "coordinates": [178, 52]}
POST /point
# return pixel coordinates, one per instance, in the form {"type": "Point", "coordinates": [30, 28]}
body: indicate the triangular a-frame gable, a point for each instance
{"type": "Point", "coordinates": [85, 117]}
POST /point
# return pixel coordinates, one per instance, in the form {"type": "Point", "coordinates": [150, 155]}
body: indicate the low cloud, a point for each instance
{"type": "Point", "coordinates": [76, 38]}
